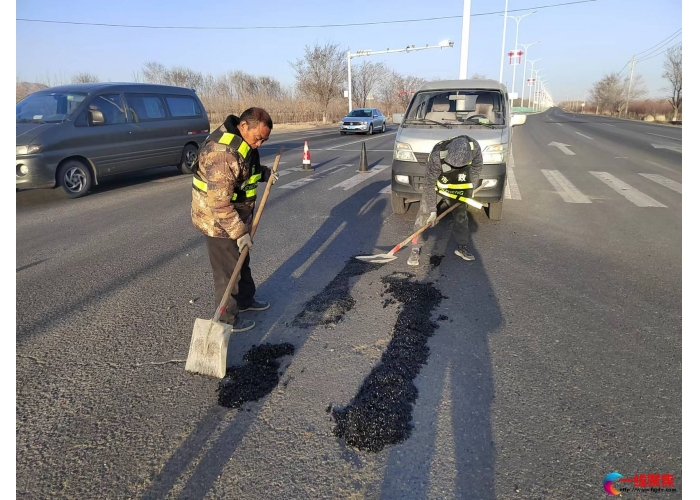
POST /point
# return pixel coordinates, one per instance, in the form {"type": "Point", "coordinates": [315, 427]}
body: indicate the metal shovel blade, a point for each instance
{"type": "Point", "coordinates": [381, 258]}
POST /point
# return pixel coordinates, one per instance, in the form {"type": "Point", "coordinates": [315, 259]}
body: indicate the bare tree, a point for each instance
{"type": "Point", "coordinates": [85, 77]}
{"type": "Point", "coordinates": [673, 72]}
{"type": "Point", "coordinates": [321, 73]}
{"type": "Point", "coordinates": [365, 80]}
{"type": "Point", "coordinates": [610, 92]}
{"type": "Point", "coordinates": [154, 72]}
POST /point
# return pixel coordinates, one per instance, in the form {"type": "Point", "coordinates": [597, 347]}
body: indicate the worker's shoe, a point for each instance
{"type": "Point", "coordinates": [242, 325]}
{"type": "Point", "coordinates": [257, 305]}
{"type": "Point", "coordinates": [414, 258]}
{"type": "Point", "coordinates": [462, 252]}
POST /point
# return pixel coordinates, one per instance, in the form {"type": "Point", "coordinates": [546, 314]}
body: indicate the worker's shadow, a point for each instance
{"type": "Point", "coordinates": [352, 226]}
{"type": "Point", "coordinates": [452, 434]}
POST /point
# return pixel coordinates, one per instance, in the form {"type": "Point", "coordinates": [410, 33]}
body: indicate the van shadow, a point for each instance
{"type": "Point", "coordinates": [451, 451]}
{"type": "Point", "coordinates": [349, 227]}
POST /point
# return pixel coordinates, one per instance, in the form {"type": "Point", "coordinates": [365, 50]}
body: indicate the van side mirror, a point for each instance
{"type": "Point", "coordinates": [96, 118]}
{"type": "Point", "coordinates": [517, 119]}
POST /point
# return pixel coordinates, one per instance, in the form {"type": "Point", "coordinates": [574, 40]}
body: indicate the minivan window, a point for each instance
{"type": "Point", "coordinates": [44, 107]}
{"type": "Point", "coordinates": [456, 108]}
{"type": "Point", "coordinates": [111, 107]}
{"type": "Point", "coordinates": [144, 107]}
{"type": "Point", "coordinates": [182, 106]}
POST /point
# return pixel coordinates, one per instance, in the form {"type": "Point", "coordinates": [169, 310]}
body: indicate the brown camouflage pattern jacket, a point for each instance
{"type": "Point", "coordinates": [222, 168]}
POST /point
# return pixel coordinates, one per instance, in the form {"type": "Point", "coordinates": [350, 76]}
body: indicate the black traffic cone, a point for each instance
{"type": "Point", "coordinates": [363, 159]}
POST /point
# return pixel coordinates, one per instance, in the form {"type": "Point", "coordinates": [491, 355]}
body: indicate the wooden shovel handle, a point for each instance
{"type": "Point", "coordinates": [244, 253]}
{"type": "Point", "coordinates": [443, 214]}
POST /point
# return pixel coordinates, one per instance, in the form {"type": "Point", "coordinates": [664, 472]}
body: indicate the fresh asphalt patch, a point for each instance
{"type": "Point", "coordinates": [381, 412]}
{"type": "Point", "coordinates": [256, 378]}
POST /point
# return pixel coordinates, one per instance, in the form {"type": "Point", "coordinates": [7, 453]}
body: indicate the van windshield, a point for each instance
{"type": "Point", "coordinates": [45, 107]}
{"type": "Point", "coordinates": [456, 108]}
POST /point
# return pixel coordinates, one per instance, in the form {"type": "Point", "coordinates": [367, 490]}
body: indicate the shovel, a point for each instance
{"type": "Point", "coordinates": [209, 344]}
{"type": "Point", "coordinates": [383, 258]}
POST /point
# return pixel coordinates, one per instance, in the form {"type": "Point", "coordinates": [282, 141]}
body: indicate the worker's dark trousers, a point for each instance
{"type": "Point", "coordinates": [460, 228]}
{"type": "Point", "coordinates": [223, 255]}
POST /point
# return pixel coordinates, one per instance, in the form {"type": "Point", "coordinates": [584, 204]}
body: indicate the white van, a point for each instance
{"type": "Point", "coordinates": [444, 109]}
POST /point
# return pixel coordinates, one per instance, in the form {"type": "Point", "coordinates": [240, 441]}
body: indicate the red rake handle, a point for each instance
{"type": "Point", "coordinates": [443, 214]}
{"type": "Point", "coordinates": [244, 253]}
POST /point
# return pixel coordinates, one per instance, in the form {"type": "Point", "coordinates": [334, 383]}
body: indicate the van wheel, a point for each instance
{"type": "Point", "coordinates": [75, 178]}
{"type": "Point", "coordinates": [398, 204]}
{"type": "Point", "coordinates": [189, 158]}
{"type": "Point", "coordinates": [495, 210]}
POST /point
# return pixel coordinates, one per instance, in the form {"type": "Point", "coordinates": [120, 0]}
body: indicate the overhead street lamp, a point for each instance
{"type": "Point", "coordinates": [541, 93]}
{"type": "Point", "coordinates": [536, 86]}
{"type": "Point", "coordinates": [527, 46]}
{"type": "Point", "coordinates": [532, 71]}
{"type": "Point", "coordinates": [503, 43]}
{"type": "Point", "coordinates": [539, 84]}
{"type": "Point", "coordinates": [517, 29]}
{"type": "Point", "coordinates": [369, 52]}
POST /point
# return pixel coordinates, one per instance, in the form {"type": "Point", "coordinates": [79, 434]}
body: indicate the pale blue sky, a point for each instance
{"type": "Point", "coordinates": [578, 43]}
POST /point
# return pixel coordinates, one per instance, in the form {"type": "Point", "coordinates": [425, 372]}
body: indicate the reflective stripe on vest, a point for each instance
{"type": "Point", "coordinates": [243, 147]}
{"type": "Point", "coordinates": [249, 190]}
{"type": "Point", "coordinates": [453, 196]}
{"type": "Point", "coordinates": [440, 185]}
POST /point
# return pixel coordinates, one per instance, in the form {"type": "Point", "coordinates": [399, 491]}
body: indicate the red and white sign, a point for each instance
{"type": "Point", "coordinates": [514, 57]}
{"type": "Point", "coordinates": [530, 82]}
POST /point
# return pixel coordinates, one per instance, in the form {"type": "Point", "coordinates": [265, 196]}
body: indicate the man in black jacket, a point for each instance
{"type": "Point", "coordinates": [453, 170]}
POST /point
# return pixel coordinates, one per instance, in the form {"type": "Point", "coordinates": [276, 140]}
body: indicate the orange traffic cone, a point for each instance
{"type": "Point", "coordinates": [306, 157]}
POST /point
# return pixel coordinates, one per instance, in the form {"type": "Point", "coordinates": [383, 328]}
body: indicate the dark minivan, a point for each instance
{"type": "Point", "coordinates": [76, 135]}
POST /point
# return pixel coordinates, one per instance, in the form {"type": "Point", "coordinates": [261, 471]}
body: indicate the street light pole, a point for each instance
{"type": "Point", "coordinates": [503, 43]}
{"type": "Point", "coordinates": [517, 29]}
{"type": "Point", "coordinates": [529, 90]}
{"type": "Point", "coordinates": [527, 47]}
{"type": "Point", "coordinates": [538, 92]}
{"type": "Point", "coordinates": [464, 56]}
{"type": "Point", "coordinates": [536, 85]}
{"type": "Point", "coordinates": [541, 93]}
{"type": "Point", "coordinates": [370, 52]}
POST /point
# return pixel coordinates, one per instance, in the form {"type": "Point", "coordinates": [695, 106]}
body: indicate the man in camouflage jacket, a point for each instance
{"type": "Point", "coordinates": [224, 189]}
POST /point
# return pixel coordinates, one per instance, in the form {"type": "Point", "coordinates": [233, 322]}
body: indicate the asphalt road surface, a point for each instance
{"type": "Point", "coordinates": [555, 357]}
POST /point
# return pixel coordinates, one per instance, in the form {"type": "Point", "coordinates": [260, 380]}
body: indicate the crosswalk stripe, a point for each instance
{"type": "Point", "coordinates": [359, 178]}
{"type": "Point", "coordinates": [637, 197]}
{"type": "Point", "coordinates": [563, 186]}
{"type": "Point", "coordinates": [386, 190]}
{"type": "Point", "coordinates": [306, 180]}
{"type": "Point", "coordinates": [664, 181]}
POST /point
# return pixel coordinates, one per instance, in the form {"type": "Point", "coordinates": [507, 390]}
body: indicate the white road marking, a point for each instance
{"type": "Point", "coordinates": [661, 166]}
{"type": "Point", "coordinates": [386, 190]}
{"type": "Point", "coordinates": [637, 197]}
{"type": "Point", "coordinates": [294, 169]}
{"type": "Point", "coordinates": [560, 124]}
{"type": "Point", "coordinates": [583, 135]}
{"type": "Point", "coordinates": [672, 147]}
{"type": "Point", "coordinates": [664, 181]}
{"type": "Point", "coordinates": [359, 178]}
{"type": "Point", "coordinates": [302, 268]}
{"type": "Point", "coordinates": [563, 186]}
{"type": "Point", "coordinates": [666, 136]}
{"type": "Point", "coordinates": [363, 140]}
{"type": "Point", "coordinates": [563, 147]}
{"type": "Point", "coordinates": [608, 124]}
{"type": "Point", "coordinates": [306, 180]}
{"type": "Point", "coordinates": [621, 157]}
{"type": "Point", "coordinates": [512, 189]}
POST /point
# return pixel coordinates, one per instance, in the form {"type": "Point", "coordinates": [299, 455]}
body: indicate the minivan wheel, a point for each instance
{"type": "Point", "coordinates": [495, 210]}
{"type": "Point", "coordinates": [75, 178]}
{"type": "Point", "coordinates": [398, 204]}
{"type": "Point", "coordinates": [189, 157]}
{"type": "Point", "coordinates": [371, 129]}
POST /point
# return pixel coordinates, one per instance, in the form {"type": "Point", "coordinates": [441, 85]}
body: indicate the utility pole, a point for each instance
{"type": "Point", "coordinates": [503, 44]}
{"type": "Point", "coordinates": [464, 56]}
{"type": "Point", "coordinates": [527, 48]}
{"type": "Point", "coordinates": [629, 88]}
{"type": "Point", "coordinates": [517, 29]}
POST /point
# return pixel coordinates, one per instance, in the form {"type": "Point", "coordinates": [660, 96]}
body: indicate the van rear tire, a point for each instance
{"type": "Point", "coordinates": [398, 204]}
{"type": "Point", "coordinates": [495, 210]}
{"type": "Point", "coordinates": [75, 178]}
{"type": "Point", "coordinates": [188, 159]}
